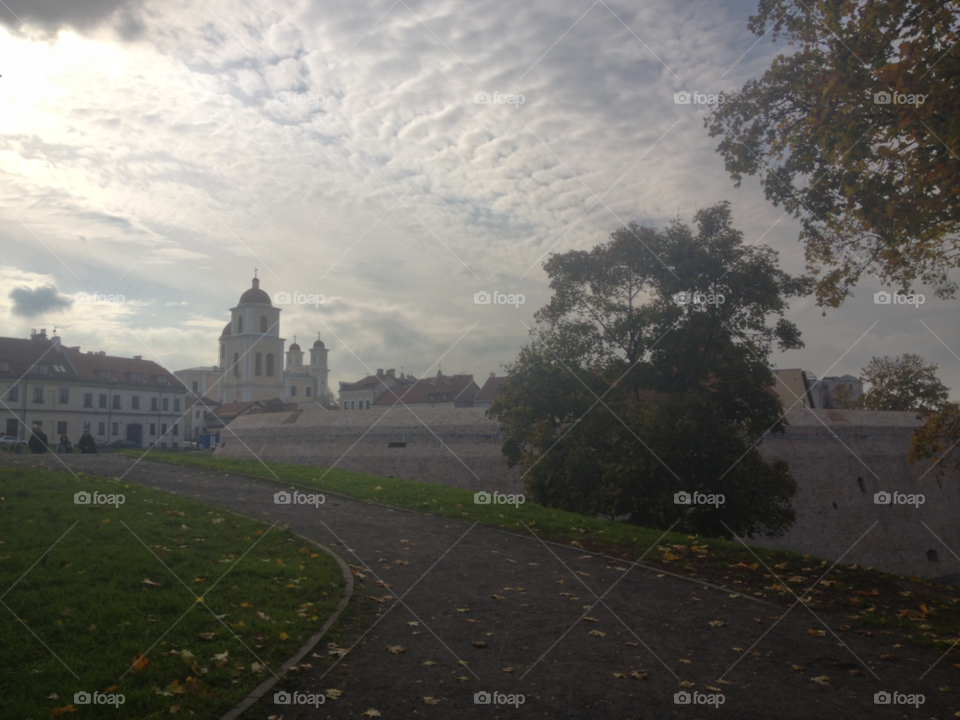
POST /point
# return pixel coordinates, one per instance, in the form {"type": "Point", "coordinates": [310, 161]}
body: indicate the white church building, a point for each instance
{"type": "Point", "coordinates": [251, 360]}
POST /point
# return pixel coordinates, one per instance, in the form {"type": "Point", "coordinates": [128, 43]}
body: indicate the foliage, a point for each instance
{"type": "Point", "coordinates": [904, 383]}
{"type": "Point", "coordinates": [937, 439]}
{"type": "Point", "coordinates": [873, 183]}
{"type": "Point", "coordinates": [627, 395]}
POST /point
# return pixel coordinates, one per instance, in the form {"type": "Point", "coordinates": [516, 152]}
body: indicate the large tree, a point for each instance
{"type": "Point", "coordinates": [857, 134]}
{"type": "Point", "coordinates": [904, 383]}
{"type": "Point", "coordinates": [647, 375]}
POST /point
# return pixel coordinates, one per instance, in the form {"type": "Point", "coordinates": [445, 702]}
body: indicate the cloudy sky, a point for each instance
{"type": "Point", "coordinates": [163, 150]}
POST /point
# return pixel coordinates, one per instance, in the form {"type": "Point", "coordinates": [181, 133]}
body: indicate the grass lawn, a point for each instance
{"type": "Point", "coordinates": [919, 612]}
{"type": "Point", "coordinates": [164, 600]}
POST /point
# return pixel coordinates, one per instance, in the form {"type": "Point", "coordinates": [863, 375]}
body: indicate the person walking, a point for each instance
{"type": "Point", "coordinates": [87, 445]}
{"type": "Point", "coordinates": [38, 441]}
{"type": "Point", "coordinates": [65, 445]}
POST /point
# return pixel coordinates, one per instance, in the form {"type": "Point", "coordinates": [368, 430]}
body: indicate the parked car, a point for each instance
{"type": "Point", "coordinates": [10, 444]}
{"type": "Point", "coordinates": [124, 444]}
{"type": "Point", "coordinates": [190, 445]}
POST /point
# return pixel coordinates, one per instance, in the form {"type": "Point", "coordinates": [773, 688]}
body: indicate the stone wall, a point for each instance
{"type": "Point", "coordinates": [840, 459]}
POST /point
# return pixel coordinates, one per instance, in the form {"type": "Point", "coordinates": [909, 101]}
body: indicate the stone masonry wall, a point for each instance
{"type": "Point", "coordinates": [840, 459]}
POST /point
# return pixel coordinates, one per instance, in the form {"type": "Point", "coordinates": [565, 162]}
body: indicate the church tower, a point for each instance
{"type": "Point", "coordinates": [251, 349]}
{"type": "Point", "coordinates": [319, 368]}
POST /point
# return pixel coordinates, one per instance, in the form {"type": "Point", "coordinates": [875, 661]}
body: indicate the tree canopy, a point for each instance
{"type": "Point", "coordinates": [904, 383]}
{"type": "Point", "coordinates": [857, 134]}
{"type": "Point", "coordinates": [647, 375]}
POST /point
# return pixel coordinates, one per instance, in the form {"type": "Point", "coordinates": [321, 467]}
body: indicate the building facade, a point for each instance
{"type": "Point", "coordinates": [250, 360]}
{"type": "Point", "coordinates": [67, 391]}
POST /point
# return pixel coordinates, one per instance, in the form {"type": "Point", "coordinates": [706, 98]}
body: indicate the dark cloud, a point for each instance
{"type": "Point", "coordinates": [30, 302]}
{"type": "Point", "coordinates": [49, 16]}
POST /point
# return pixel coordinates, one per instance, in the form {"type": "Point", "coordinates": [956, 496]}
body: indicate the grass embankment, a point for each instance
{"type": "Point", "coordinates": [913, 610]}
{"type": "Point", "coordinates": [167, 601]}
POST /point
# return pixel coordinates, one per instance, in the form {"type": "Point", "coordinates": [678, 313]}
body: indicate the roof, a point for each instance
{"type": "Point", "coordinates": [491, 388]}
{"type": "Point", "coordinates": [449, 388]}
{"type": "Point", "coordinates": [233, 409]}
{"type": "Point", "coordinates": [367, 382]}
{"type": "Point", "coordinates": [294, 346]}
{"type": "Point", "coordinates": [135, 370]}
{"type": "Point", "coordinates": [255, 295]}
{"type": "Point", "coordinates": [226, 328]}
{"type": "Point", "coordinates": [27, 356]}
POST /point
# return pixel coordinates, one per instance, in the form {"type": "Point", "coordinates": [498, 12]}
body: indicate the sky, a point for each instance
{"type": "Point", "coordinates": [156, 153]}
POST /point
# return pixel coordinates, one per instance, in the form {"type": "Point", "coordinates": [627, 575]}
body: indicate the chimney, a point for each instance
{"type": "Point", "coordinates": [379, 372]}
{"type": "Point", "coordinates": [392, 373]}
{"type": "Point", "coordinates": [42, 335]}
{"type": "Point", "coordinates": [55, 340]}
{"type": "Point", "coordinates": [138, 357]}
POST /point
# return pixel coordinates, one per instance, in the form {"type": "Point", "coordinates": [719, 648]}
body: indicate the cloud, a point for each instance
{"type": "Point", "coordinates": [49, 16]}
{"type": "Point", "coordinates": [30, 302]}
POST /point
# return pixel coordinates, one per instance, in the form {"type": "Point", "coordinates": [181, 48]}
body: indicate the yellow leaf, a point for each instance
{"type": "Point", "coordinates": [686, 684]}
{"type": "Point", "coordinates": [619, 675]}
{"type": "Point", "coordinates": [430, 700]}
{"type": "Point", "coordinates": [597, 633]}
{"type": "Point", "coordinates": [140, 663]}
{"type": "Point", "coordinates": [396, 649]}
{"type": "Point", "coordinates": [333, 693]}
{"type": "Point", "coordinates": [821, 680]}
{"type": "Point", "coordinates": [816, 633]}
{"type": "Point", "coordinates": [284, 636]}
{"type": "Point", "coordinates": [509, 669]}
{"type": "Point", "coordinates": [371, 713]}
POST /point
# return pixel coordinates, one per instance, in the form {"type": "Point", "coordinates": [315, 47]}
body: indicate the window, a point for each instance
{"type": "Point", "coordinates": [136, 377]}
{"type": "Point", "coordinates": [38, 394]}
{"type": "Point", "coordinates": [153, 404]}
{"type": "Point", "coordinates": [4, 366]}
{"type": "Point", "coordinates": [88, 400]}
{"type": "Point", "coordinates": [86, 424]}
{"type": "Point", "coordinates": [106, 375]}
{"type": "Point", "coordinates": [41, 369]}
{"type": "Point", "coordinates": [176, 428]}
{"type": "Point", "coordinates": [59, 368]}
{"type": "Point", "coordinates": [166, 404]}
{"type": "Point", "coordinates": [236, 364]}
{"type": "Point", "coordinates": [368, 404]}
{"type": "Point", "coordinates": [353, 404]}
{"type": "Point", "coordinates": [163, 428]}
{"type": "Point", "coordinates": [61, 427]}
{"type": "Point", "coordinates": [116, 402]}
{"type": "Point", "coordinates": [195, 386]}
{"type": "Point", "coordinates": [269, 364]}
{"type": "Point", "coordinates": [101, 428]}
{"type": "Point", "coordinates": [114, 428]}
{"type": "Point", "coordinates": [293, 391]}
{"type": "Point", "coordinates": [103, 400]}
{"type": "Point", "coordinates": [309, 391]}
{"type": "Point", "coordinates": [263, 323]}
{"type": "Point", "coordinates": [176, 404]}
{"type": "Point", "coordinates": [197, 414]}
{"type": "Point", "coordinates": [64, 395]}
{"type": "Point", "coordinates": [153, 428]}
{"type": "Point", "coordinates": [239, 324]}
{"type": "Point", "coordinates": [162, 379]}
{"type": "Point", "coordinates": [135, 402]}
{"type": "Point", "coordinates": [163, 446]}
{"type": "Point", "coordinates": [13, 394]}
{"type": "Point", "coordinates": [223, 352]}
{"type": "Point", "coordinates": [175, 445]}
{"type": "Point", "coordinates": [257, 364]}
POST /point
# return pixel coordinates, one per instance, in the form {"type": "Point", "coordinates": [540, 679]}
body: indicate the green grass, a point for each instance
{"type": "Point", "coordinates": [88, 602]}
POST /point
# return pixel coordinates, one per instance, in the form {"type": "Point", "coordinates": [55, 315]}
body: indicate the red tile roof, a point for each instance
{"type": "Point", "coordinates": [491, 388]}
{"type": "Point", "coordinates": [449, 388]}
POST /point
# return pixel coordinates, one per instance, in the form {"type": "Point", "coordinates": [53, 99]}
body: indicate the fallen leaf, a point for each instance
{"type": "Point", "coordinates": [590, 619]}
{"type": "Point", "coordinates": [140, 663]}
{"type": "Point", "coordinates": [619, 675]}
{"type": "Point", "coordinates": [284, 636]}
{"type": "Point", "coordinates": [430, 663]}
{"type": "Point", "coordinates": [716, 623]}
{"type": "Point", "coordinates": [497, 597]}
{"type": "Point", "coordinates": [816, 633]}
{"type": "Point", "coordinates": [463, 609]}
{"type": "Point", "coordinates": [396, 649]}
{"type": "Point", "coordinates": [638, 675]}
{"type": "Point", "coordinates": [333, 693]}
{"type": "Point", "coordinates": [799, 668]}
{"type": "Point", "coordinates": [206, 635]}
{"type": "Point", "coordinates": [430, 700]}
{"type": "Point", "coordinates": [686, 684]}
{"type": "Point", "coordinates": [414, 623]}
{"type": "Point", "coordinates": [478, 644]}
{"type": "Point", "coordinates": [821, 680]}
{"type": "Point", "coordinates": [509, 669]}
{"type": "Point", "coordinates": [151, 583]}
{"type": "Point", "coordinates": [372, 713]}
{"type": "Point", "coordinates": [713, 689]}
{"type": "Point", "coordinates": [597, 633]}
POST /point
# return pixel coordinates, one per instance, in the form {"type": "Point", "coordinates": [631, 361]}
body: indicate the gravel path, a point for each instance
{"type": "Point", "coordinates": [512, 608]}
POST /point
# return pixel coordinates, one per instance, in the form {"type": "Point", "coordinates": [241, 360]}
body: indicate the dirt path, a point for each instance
{"type": "Point", "coordinates": [523, 600]}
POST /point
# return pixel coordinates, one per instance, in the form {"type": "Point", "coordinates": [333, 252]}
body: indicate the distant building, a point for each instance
{"type": "Point", "coordinates": [491, 388]}
{"type": "Point", "coordinates": [385, 389]}
{"type": "Point", "coordinates": [251, 360]}
{"type": "Point", "coordinates": [792, 388]}
{"type": "Point", "coordinates": [836, 392]}
{"type": "Point", "coordinates": [67, 391]}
